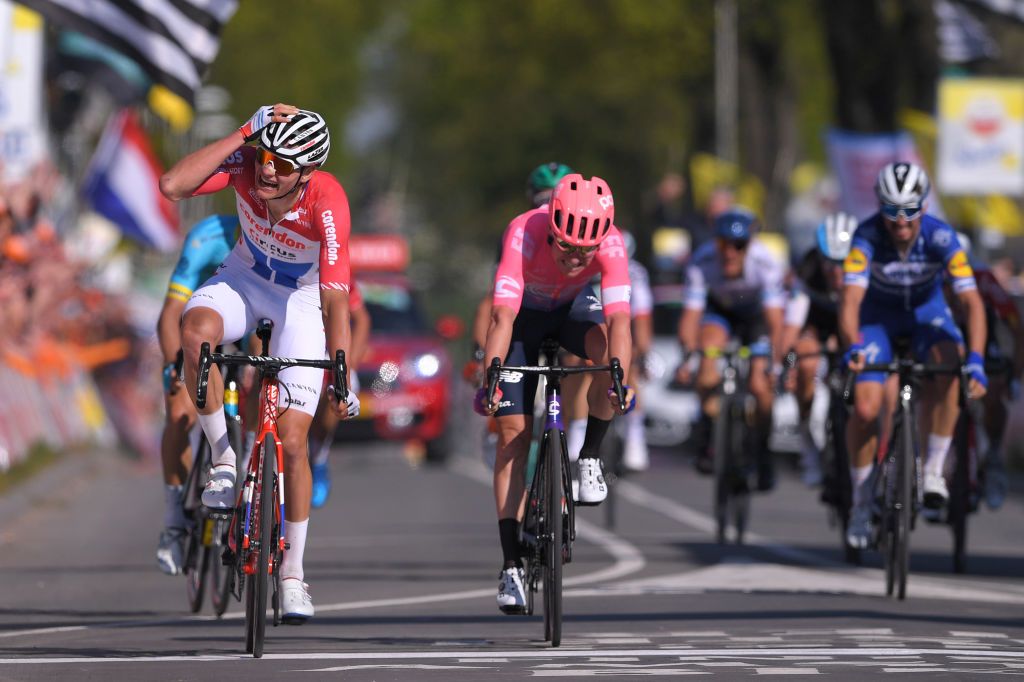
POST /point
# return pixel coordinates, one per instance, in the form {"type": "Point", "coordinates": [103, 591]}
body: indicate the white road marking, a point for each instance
{"type": "Point", "coordinates": [682, 654]}
{"type": "Point", "coordinates": [43, 631]}
{"type": "Point", "coordinates": [628, 560]}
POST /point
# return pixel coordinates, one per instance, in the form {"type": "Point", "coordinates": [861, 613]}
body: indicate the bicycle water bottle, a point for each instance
{"type": "Point", "coordinates": [231, 399]}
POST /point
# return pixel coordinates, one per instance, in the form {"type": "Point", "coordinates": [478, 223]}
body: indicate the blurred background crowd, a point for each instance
{"type": "Point", "coordinates": [439, 109]}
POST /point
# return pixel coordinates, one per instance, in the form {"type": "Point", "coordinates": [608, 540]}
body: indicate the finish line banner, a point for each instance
{"type": "Point", "coordinates": [981, 136]}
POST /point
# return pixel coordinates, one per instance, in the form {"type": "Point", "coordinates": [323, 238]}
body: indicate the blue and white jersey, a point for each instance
{"type": "Point", "coordinates": [206, 246]}
{"type": "Point", "coordinates": [760, 285]}
{"type": "Point", "coordinates": [906, 281]}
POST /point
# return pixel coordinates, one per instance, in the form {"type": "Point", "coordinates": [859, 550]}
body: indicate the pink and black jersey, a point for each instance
{"type": "Point", "coordinates": [529, 277]}
{"type": "Point", "coordinates": [308, 247]}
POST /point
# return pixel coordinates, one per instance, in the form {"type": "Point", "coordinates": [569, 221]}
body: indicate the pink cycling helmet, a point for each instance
{"type": "Point", "coordinates": [581, 210]}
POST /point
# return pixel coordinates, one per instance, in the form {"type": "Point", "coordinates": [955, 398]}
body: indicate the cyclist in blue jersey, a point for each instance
{"type": "Point", "coordinates": [893, 281]}
{"type": "Point", "coordinates": [206, 245]}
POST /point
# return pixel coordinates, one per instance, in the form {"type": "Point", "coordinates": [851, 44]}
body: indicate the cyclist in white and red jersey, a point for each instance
{"type": "Point", "coordinates": [291, 262]}
{"type": "Point", "coordinates": [549, 256]}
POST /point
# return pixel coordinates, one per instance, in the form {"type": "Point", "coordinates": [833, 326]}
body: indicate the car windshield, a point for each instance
{"type": "Point", "coordinates": [393, 309]}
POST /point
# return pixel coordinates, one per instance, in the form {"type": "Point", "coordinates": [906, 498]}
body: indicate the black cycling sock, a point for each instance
{"type": "Point", "coordinates": [596, 429]}
{"type": "Point", "coordinates": [508, 531]}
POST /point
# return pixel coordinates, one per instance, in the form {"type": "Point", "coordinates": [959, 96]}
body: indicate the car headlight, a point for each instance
{"type": "Point", "coordinates": [426, 365]}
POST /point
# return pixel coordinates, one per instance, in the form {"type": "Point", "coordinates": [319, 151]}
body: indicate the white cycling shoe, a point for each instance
{"type": "Point", "coordinates": [296, 604]}
{"type": "Point", "coordinates": [170, 552]}
{"type": "Point", "coordinates": [635, 456]}
{"type": "Point", "coordinates": [935, 491]}
{"type": "Point", "coordinates": [593, 488]}
{"type": "Point", "coordinates": [860, 530]}
{"type": "Point", "coordinates": [511, 595]}
{"type": "Point", "coordinates": [219, 492]}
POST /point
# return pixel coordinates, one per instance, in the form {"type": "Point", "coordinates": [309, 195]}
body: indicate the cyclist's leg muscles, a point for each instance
{"type": "Point", "coordinates": [937, 339]}
{"type": "Point", "coordinates": [807, 369]}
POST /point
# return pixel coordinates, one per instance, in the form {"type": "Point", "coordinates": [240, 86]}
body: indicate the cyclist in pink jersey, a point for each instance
{"type": "Point", "coordinates": [290, 263]}
{"type": "Point", "coordinates": [541, 290]}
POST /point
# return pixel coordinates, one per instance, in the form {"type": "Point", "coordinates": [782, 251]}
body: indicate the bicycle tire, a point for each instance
{"type": "Point", "coordinates": [959, 494]}
{"type": "Point", "coordinates": [554, 554]}
{"type": "Point", "coordinates": [840, 462]}
{"type": "Point", "coordinates": [720, 443]}
{"type": "Point", "coordinates": [195, 575]}
{"type": "Point", "coordinates": [220, 574]}
{"type": "Point", "coordinates": [890, 483]}
{"type": "Point", "coordinates": [265, 526]}
{"type": "Point", "coordinates": [739, 492]}
{"type": "Point", "coordinates": [906, 474]}
{"type": "Point", "coordinates": [196, 560]}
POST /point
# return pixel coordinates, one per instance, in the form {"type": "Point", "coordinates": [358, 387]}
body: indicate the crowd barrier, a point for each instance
{"type": "Point", "coordinates": [53, 402]}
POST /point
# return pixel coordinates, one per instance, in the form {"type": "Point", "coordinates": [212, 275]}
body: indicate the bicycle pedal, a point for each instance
{"type": "Point", "coordinates": [219, 514]}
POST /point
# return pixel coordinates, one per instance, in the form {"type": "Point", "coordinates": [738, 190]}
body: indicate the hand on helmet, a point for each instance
{"type": "Point", "coordinates": [264, 116]}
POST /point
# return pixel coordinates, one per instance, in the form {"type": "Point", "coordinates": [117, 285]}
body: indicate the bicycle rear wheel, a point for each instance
{"type": "Point", "coordinates": [197, 558]}
{"type": "Point", "coordinates": [553, 538]}
{"type": "Point", "coordinates": [264, 527]}
{"type": "Point", "coordinates": [220, 574]}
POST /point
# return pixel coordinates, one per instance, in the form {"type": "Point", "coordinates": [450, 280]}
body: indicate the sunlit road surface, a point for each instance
{"type": "Point", "coordinates": [403, 563]}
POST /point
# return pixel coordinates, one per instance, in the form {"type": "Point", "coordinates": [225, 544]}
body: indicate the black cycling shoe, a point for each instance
{"type": "Point", "coordinates": [704, 463]}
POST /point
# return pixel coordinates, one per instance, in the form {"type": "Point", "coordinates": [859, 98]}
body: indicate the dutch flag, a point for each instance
{"type": "Point", "coordinates": [123, 185]}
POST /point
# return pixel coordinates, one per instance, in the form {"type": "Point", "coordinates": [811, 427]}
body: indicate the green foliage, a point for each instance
{"type": "Point", "coordinates": [488, 90]}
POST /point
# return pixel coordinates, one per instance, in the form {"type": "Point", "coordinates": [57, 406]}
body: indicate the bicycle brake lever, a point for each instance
{"type": "Point", "coordinates": [340, 377]}
{"type": "Point", "coordinates": [204, 375]}
{"type": "Point", "coordinates": [617, 383]}
{"type": "Point", "coordinates": [493, 374]}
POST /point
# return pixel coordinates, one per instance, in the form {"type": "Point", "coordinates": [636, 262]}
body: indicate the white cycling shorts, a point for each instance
{"type": "Point", "coordinates": [242, 298]}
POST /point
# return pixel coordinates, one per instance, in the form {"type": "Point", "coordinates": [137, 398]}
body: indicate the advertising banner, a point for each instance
{"type": "Point", "coordinates": [981, 136]}
{"type": "Point", "coordinates": [856, 159]}
{"type": "Point", "coordinates": [22, 136]}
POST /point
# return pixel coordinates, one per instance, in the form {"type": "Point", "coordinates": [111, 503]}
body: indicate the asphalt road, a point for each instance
{"type": "Point", "coordinates": [403, 562]}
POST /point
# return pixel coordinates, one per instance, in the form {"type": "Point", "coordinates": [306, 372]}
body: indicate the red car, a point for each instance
{"type": "Point", "coordinates": [405, 377]}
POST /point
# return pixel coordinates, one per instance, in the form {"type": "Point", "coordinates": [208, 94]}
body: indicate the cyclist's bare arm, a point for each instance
{"type": "Point", "coordinates": [773, 317]}
{"type": "Point", "coordinates": [850, 301]}
{"type": "Point", "coordinates": [337, 325]}
{"type": "Point", "coordinates": [620, 339]}
{"type": "Point", "coordinates": [482, 319]}
{"type": "Point", "coordinates": [643, 334]}
{"type": "Point", "coordinates": [689, 328]}
{"type": "Point", "coordinates": [186, 176]}
{"type": "Point", "coordinates": [499, 333]}
{"type": "Point", "coordinates": [361, 323]}
{"type": "Point", "coordinates": [977, 327]}
{"type": "Point", "coordinates": [168, 328]}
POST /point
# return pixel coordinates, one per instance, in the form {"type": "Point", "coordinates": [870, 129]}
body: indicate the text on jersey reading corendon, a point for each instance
{"type": "Point", "coordinates": [306, 247]}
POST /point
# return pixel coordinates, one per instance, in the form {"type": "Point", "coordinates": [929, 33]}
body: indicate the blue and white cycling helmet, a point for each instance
{"type": "Point", "coordinates": [835, 235]}
{"type": "Point", "coordinates": [736, 224]}
{"type": "Point", "coordinates": [902, 184]}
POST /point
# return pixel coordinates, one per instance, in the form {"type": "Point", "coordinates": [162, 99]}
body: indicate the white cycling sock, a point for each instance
{"type": "Point", "coordinates": [938, 448]}
{"type": "Point", "coordinates": [295, 539]}
{"type": "Point", "coordinates": [216, 430]}
{"type": "Point", "coordinates": [574, 437]}
{"type": "Point", "coordinates": [635, 425]}
{"type": "Point", "coordinates": [174, 516]}
{"type": "Point", "coordinates": [858, 479]}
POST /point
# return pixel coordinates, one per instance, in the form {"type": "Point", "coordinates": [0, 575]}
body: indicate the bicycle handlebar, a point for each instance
{"type": "Point", "coordinates": [206, 359]}
{"type": "Point", "coordinates": [614, 366]}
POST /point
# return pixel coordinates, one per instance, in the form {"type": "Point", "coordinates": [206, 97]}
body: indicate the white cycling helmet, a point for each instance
{"type": "Point", "coordinates": [835, 235]}
{"type": "Point", "coordinates": [902, 184]}
{"type": "Point", "coordinates": [304, 139]}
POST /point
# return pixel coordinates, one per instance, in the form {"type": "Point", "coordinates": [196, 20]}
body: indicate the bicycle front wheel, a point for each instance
{"type": "Point", "coordinates": [220, 574]}
{"type": "Point", "coordinates": [555, 536]}
{"type": "Point", "coordinates": [960, 493]}
{"type": "Point", "coordinates": [264, 529]}
{"type": "Point", "coordinates": [906, 472]}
